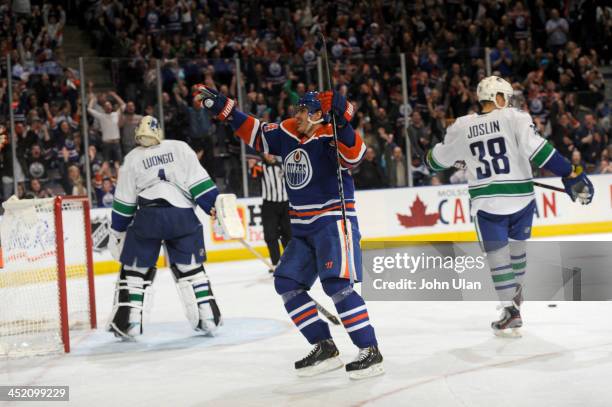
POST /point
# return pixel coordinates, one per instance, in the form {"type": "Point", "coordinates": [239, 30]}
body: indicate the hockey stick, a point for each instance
{"type": "Point", "coordinates": [338, 167]}
{"type": "Point", "coordinates": [546, 186]}
{"type": "Point", "coordinates": [257, 254]}
{"type": "Point", "coordinates": [331, 317]}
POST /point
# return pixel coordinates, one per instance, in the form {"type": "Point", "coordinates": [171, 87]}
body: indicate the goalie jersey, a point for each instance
{"type": "Point", "coordinates": [309, 166]}
{"type": "Point", "coordinates": [497, 148]}
{"type": "Point", "coordinates": [170, 171]}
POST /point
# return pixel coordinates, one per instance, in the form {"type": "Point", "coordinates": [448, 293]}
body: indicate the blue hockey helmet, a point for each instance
{"type": "Point", "coordinates": [311, 102]}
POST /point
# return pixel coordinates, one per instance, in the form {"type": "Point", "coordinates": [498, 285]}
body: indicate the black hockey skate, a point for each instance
{"type": "Point", "coordinates": [367, 364]}
{"type": "Point", "coordinates": [509, 323]}
{"type": "Point", "coordinates": [322, 358]}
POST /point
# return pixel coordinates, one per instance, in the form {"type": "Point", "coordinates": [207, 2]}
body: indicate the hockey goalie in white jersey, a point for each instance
{"type": "Point", "coordinates": [496, 146]}
{"type": "Point", "coordinates": [159, 184]}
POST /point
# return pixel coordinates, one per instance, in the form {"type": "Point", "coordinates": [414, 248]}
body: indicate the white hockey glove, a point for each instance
{"type": "Point", "coordinates": [115, 243]}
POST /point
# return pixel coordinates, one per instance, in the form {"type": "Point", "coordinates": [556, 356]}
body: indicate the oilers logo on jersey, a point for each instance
{"type": "Point", "coordinates": [298, 170]}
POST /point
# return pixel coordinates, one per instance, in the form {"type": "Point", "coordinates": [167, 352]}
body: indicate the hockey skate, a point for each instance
{"type": "Point", "coordinates": [509, 323]}
{"type": "Point", "coordinates": [322, 358]}
{"type": "Point", "coordinates": [367, 364]}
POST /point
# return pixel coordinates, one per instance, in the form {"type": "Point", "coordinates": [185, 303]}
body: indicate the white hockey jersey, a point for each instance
{"type": "Point", "coordinates": [497, 148]}
{"type": "Point", "coordinates": [170, 170]}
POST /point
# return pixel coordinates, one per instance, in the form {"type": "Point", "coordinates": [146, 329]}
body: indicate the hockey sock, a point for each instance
{"type": "Point", "coordinates": [352, 311]}
{"type": "Point", "coordinates": [302, 310]}
{"type": "Point", "coordinates": [502, 274]}
{"type": "Point", "coordinates": [518, 258]}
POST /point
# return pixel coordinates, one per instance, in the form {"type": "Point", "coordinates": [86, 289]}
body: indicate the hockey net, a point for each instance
{"type": "Point", "coordinates": [46, 283]}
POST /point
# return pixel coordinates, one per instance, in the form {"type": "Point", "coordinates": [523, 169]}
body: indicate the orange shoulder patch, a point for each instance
{"type": "Point", "coordinates": [324, 130]}
{"type": "Point", "coordinates": [290, 126]}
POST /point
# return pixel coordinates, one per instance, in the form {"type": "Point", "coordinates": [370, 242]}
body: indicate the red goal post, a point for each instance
{"type": "Point", "coordinates": [47, 283]}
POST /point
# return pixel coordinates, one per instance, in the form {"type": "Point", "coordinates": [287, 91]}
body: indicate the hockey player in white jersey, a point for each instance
{"type": "Point", "coordinates": [496, 146]}
{"type": "Point", "coordinates": [159, 184]}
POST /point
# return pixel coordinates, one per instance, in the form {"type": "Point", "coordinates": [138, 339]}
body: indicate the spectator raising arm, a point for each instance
{"type": "Point", "coordinates": [120, 101]}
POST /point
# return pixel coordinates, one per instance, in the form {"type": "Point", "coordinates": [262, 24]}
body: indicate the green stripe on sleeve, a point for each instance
{"type": "Point", "coordinates": [517, 188]}
{"type": "Point", "coordinates": [542, 156]}
{"type": "Point", "coordinates": [433, 163]}
{"type": "Point", "coordinates": [123, 208]}
{"type": "Point", "coordinates": [200, 188]}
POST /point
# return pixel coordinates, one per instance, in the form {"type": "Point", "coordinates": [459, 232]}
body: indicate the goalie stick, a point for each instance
{"type": "Point", "coordinates": [229, 224]}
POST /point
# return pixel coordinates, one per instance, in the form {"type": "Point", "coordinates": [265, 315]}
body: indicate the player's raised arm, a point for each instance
{"type": "Point", "coordinates": [544, 155]}
{"type": "Point", "coordinates": [261, 136]}
{"type": "Point", "coordinates": [350, 144]}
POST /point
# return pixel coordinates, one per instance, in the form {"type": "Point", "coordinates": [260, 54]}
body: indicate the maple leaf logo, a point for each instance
{"type": "Point", "coordinates": [418, 216]}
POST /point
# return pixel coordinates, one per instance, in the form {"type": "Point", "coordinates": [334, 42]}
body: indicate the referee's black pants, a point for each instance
{"type": "Point", "coordinates": [276, 225]}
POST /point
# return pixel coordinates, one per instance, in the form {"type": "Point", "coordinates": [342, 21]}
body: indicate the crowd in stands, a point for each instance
{"type": "Point", "coordinates": [551, 51]}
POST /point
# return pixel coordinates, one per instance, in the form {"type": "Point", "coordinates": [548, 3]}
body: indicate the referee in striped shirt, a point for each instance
{"type": "Point", "coordinates": [275, 207]}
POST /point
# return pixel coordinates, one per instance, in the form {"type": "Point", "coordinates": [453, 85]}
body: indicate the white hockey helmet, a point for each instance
{"type": "Point", "coordinates": [489, 87]}
{"type": "Point", "coordinates": [148, 132]}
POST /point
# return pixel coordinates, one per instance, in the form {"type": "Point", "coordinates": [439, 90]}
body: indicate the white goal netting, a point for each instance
{"type": "Point", "coordinates": [35, 235]}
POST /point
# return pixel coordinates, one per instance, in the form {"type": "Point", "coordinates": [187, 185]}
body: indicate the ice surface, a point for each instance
{"type": "Point", "coordinates": [436, 354]}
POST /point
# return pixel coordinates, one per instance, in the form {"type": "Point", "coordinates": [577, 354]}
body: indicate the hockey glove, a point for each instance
{"type": "Point", "coordinates": [219, 104]}
{"type": "Point", "coordinates": [342, 108]}
{"type": "Point", "coordinates": [115, 243]}
{"type": "Point", "coordinates": [579, 187]}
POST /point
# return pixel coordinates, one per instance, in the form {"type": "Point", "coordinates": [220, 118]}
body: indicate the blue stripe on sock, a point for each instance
{"type": "Point", "coordinates": [519, 256]}
{"type": "Point", "coordinates": [503, 287]}
{"type": "Point", "coordinates": [519, 274]}
{"type": "Point", "coordinates": [501, 268]}
{"type": "Point", "coordinates": [201, 285]}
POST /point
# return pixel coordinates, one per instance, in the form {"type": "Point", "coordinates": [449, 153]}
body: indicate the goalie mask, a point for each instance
{"type": "Point", "coordinates": [489, 87]}
{"type": "Point", "coordinates": [148, 132]}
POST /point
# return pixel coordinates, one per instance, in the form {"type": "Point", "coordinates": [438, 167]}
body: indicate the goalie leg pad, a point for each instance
{"type": "Point", "coordinates": [198, 300]}
{"type": "Point", "coordinates": [133, 300]}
